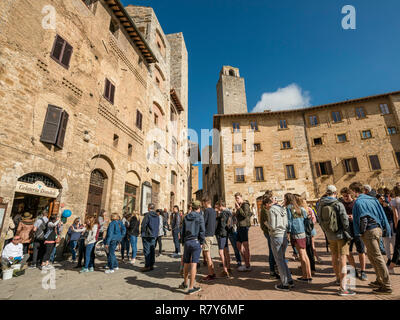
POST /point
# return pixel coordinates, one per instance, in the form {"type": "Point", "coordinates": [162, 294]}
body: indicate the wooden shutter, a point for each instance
{"type": "Point", "coordinates": [57, 48]}
{"type": "Point", "coordinates": [329, 167]}
{"type": "Point", "coordinates": [63, 129]}
{"type": "Point", "coordinates": [66, 57]}
{"type": "Point", "coordinates": [317, 169]}
{"type": "Point", "coordinates": [375, 164]}
{"type": "Point", "coordinates": [51, 124]}
{"type": "Point", "coordinates": [354, 165]}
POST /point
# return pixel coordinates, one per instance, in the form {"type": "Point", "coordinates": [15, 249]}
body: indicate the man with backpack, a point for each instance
{"type": "Point", "coordinates": [369, 221]}
{"type": "Point", "coordinates": [243, 215]}
{"type": "Point", "coordinates": [335, 223]}
{"type": "Point", "coordinates": [224, 223]}
{"type": "Point", "coordinates": [150, 229]}
{"type": "Point", "coordinates": [39, 228]}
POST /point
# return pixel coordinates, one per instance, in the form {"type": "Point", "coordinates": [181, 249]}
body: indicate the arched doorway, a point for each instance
{"type": "Point", "coordinates": [97, 185]}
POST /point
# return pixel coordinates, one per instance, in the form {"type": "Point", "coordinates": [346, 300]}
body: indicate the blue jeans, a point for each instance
{"type": "Point", "coordinates": [89, 256]}
{"type": "Point", "coordinates": [175, 235]}
{"type": "Point", "coordinates": [271, 259]}
{"type": "Point", "coordinates": [125, 247]}
{"type": "Point", "coordinates": [72, 246]}
{"type": "Point", "coordinates": [111, 258]}
{"type": "Point", "coordinates": [133, 242]}
{"type": "Point", "coordinates": [278, 246]}
{"type": "Point", "coordinates": [53, 254]}
{"type": "Point", "coordinates": [149, 251]}
{"type": "Point", "coordinates": [232, 238]}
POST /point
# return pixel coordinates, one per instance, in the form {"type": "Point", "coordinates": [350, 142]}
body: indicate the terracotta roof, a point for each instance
{"type": "Point", "coordinates": [218, 116]}
{"type": "Point", "coordinates": [176, 100]}
{"type": "Point", "coordinates": [130, 27]}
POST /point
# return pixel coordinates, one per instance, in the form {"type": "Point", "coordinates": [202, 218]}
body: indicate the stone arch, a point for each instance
{"type": "Point", "coordinates": [47, 179]}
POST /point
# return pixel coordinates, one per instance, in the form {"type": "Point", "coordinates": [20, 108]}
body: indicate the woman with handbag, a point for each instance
{"type": "Point", "coordinates": [50, 238]}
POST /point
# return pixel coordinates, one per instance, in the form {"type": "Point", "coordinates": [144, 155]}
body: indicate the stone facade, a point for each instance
{"type": "Point", "coordinates": [104, 136]}
{"type": "Point", "coordinates": [291, 138]}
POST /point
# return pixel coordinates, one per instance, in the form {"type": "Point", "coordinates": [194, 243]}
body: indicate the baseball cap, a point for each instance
{"type": "Point", "coordinates": [196, 204]}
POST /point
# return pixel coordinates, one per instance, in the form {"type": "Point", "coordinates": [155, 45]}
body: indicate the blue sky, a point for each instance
{"type": "Point", "coordinates": [278, 43]}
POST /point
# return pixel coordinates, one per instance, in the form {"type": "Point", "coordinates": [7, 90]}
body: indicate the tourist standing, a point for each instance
{"type": "Point", "coordinates": [369, 221]}
{"type": "Point", "coordinates": [92, 232]}
{"type": "Point", "coordinates": [335, 223]}
{"type": "Point", "coordinates": [26, 231]}
{"type": "Point", "coordinates": [277, 224]}
{"type": "Point", "coordinates": [50, 238]}
{"type": "Point", "coordinates": [210, 224]}
{"type": "Point", "coordinates": [389, 240]}
{"type": "Point", "coordinates": [255, 215]}
{"type": "Point", "coordinates": [175, 226]}
{"type": "Point", "coordinates": [150, 229]}
{"type": "Point", "coordinates": [74, 235]}
{"type": "Point", "coordinates": [296, 219]}
{"type": "Point", "coordinates": [221, 232]}
{"type": "Point", "coordinates": [133, 234]}
{"type": "Point", "coordinates": [161, 232]}
{"type": "Point", "coordinates": [348, 202]}
{"type": "Point", "coordinates": [125, 245]}
{"type": "Point", "coordinates": [115, 232]}
{"type": "Point", "coordinates": [243, 215]}
{"type": "Point", "coordinates": [193, 237]}
{"type": "Point", "coordinates": [39, 228]}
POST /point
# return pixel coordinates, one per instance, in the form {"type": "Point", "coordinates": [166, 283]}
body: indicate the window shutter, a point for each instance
{"type": "Point", "coordinates": [375, 164]}
{"type": "Point", "coordinates": [354, 165]}
{"type": "Point", "coordinates": [106, 88]}
{"type": "Point", "coordinates": [329, 167]}
{"type": "Point", "coordinates": [317, 169]}
{"type": "Point", "coordinates": [112, 92]}
{"type": "Point", "coordinates": [63, 129]}
{"type": "Point", "coordinates": [51, 125]}
{"type": "Point", "coordinates": [58, 48]}
{"type": "Point", "coordinates": [67, 55]}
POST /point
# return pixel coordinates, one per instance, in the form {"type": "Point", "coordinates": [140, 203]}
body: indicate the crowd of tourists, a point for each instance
{"type": "Point", "coordinates": [356, 216]}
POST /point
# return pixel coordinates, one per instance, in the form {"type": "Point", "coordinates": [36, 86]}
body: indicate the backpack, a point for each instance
{"type": "Point", "coordinates": [329, 219]}
{"type": "Point", "coordinates": [229, 222]}
{"type": "Point", "coordinates": [39, 234]}
{"type": "Point", "coordinates": [48, 232]}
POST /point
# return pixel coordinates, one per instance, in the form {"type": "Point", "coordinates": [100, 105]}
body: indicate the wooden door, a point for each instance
{"type": "Point", "coordinates": [95, 195]}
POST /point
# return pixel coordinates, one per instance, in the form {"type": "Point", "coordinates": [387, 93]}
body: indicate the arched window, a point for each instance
{"type": "Point", "coordinates": [232, 73]}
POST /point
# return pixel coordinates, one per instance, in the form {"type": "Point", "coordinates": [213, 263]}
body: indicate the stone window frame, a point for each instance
{"type": "Point", "coordinates": [139, 120]}
{"type": "Point", "coordinates": [254, 149]}
{"type": "Point", "coordinates": [294, 170]}
{"type": "Point", "coordinates": [317, 145]}
{"type": "Point", "coordinates": [109, 90]}
{"type": "Point", "coordinates": [255, 129]}
{"type": "Point", "coordinates": [366, 138]}
{"type": "Point", "coordinates": [364, 111]}
{"type": "Point", "coordinates": [316, 117]}
{"type": "Point", "coordinates": [339, 134]}
{"type": "Point", "coordinates": [290, 145]}
{"type": "Point", "coordinates": [387, 107]}
{"type": "Point", "coordinates": [286, 125]}
{"type": "Point", "coordinates": [235, 176]}
{"type": "Point", "coordinates": [262, 174]}
{"type": "Point", "coordinates": [65, 45]}
{"type": "Point", "coordinates": [355, 167]}
{"type": "Point", "coordinates": [327, 166]}
{"type": "Point", "coordinates": [396, 156]}
{"type": "Point", "coordinates": [370, 163]}
{"type": "Point", "coordinates": [391, 127]}
{"type": "Point", "coordinates": [237, 144]}
{"type": "Point", "coordinates": [340, 115]}
{"type": "Point", "coordinates": [234, 129]}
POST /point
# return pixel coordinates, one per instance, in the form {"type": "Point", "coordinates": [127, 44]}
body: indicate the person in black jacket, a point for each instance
{"type": "Point", "coordinates": [193, 237]}
{"type": "Point", "coordinates": [176, 226]}
{"type": "Point", "coordinates": [150, 229]}
{"type": "Point", "coordinates": [210, 220]}
{"type": "Point", "coordinates": [221, 232]}
{"type": "Point", "coordinates": [133, 233]}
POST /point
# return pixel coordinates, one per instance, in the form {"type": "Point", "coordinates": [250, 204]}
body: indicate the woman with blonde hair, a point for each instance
{"type": "Point", "coordinates": [296, 217]}
{"type": "Point", "coordinates": [115, 232]}
{"type": "Point", "coordinates": [91, 228]}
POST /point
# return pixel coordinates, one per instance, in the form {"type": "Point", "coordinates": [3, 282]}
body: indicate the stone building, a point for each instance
{"type": "Point", "coordinates": [303, 150]}
{"type": "Point", "coordinates": [94, 103]}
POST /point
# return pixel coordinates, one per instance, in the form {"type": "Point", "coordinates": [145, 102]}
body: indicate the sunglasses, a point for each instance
{"type": "Point", "coordinates": [16, 239]}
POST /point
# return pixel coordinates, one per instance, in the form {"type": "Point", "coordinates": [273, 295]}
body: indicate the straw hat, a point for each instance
{"type": "Point", "coordinates": [27, 216]}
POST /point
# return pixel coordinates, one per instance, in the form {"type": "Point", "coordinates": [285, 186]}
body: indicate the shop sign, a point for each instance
{"type": "Point", "coordinates": [37, 188]}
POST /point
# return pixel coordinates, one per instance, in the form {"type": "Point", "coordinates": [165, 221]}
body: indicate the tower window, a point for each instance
{"type": "Point", "coordinates": [232, 73]}
{"type": "Point", "coordinates": [236, 127]}
{"type": "Point", "coordinates": [282, 124]}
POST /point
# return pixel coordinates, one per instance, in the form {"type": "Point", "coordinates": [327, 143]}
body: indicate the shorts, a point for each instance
{"type": "Point", "coordinates": [222, 242]}
{"type": "Point", "coordinates": [313, 233]}
{"type": "Point", "coordinates": [208, 243]}
{"type": "Point", "coordinates": [301, 243]}
{"type": "Point", "coordinates": [191, 251]}
{"type": "Point", "coordinates": [243, 234]}
{"type": "Point", "coordinates": [359, 244]}
{"type": "Point", "coordinates": [339, 247]}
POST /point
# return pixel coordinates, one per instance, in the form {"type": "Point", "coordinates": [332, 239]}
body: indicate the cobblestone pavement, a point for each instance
{"type": "Point", "coordinates": [162, 283]}
{"type": "Point", "coordinates": [255, 285]}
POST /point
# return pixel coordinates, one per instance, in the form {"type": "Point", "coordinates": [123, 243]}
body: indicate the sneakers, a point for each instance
{"type": "Point", "coordinates": [116, 268]}
{"type": "Point", "coordinates": [243, 268]}
{"type": "Point", "coordinates": [145, 269]}
{"type": "Point", "coordinates": [337, 282]}
{"type": "Point", "coordinates": [363, 276]}
{"type": "Point", "coordinates": [132, 261]}
{"type": "Point", "coordinates": [183, 286]}
{"type": "Point", "coordinates": [109, 271]}
{"type": "Point", "coordinates": [374, 284]}
{"type": "Point", "coordinates": [281, 287]}
{"type": "Point", "coordinates": [291, 284]}
{"type": "Point", "coordinates": [382, 291]}
{"type": "Point", "coordinates": [91, 269]}
{"type": "Point", "coordinates": [309, 280]}
{"type": "Point", "coordinates": [346, 292]}
{"type": "Point", "coordinates": [209, 278]}
{"type": "Point", "coordinates": [84, 270]}
{"type": "Point", "coordinates": [32, 267]}
{"type": "Point", "coordinates": [175, 255]}
{"type": "Point", "coordinates": [194, 290]}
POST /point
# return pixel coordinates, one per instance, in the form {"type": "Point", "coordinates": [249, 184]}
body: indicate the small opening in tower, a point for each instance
{"type": "Point", "coordinates": [232, 73]}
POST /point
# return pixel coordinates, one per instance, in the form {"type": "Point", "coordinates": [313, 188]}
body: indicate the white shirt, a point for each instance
{"type": "Point", "coordinates": [12, 250]}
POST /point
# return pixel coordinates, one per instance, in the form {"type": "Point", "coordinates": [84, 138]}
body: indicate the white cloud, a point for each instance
{"type": "Point", "coordinates": [288, 98]}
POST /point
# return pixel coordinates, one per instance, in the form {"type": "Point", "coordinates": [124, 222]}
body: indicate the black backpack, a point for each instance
{"type": "Point", "coordinates": [40, 232]}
